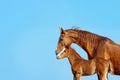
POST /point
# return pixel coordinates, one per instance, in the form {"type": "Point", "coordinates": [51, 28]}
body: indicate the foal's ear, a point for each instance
{"type": "Point", "coordinates": [62, 30]}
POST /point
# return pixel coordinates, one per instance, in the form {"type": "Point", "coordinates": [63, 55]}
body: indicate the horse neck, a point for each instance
{"type": "Point", "coordinates": [87, 42]}
{"type": "Point", "coordinates": [73, 56]}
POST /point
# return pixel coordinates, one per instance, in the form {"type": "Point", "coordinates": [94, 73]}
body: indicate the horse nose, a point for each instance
{"type": "Point", "coordinates": [56, 52]}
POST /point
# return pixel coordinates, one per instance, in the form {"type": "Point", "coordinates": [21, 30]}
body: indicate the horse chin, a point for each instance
{"type": "Point", "coordinates": [58, 57]}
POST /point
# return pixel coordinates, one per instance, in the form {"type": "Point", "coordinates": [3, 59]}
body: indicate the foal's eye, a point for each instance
{"type": "Point", "coordinates": [61, 39]}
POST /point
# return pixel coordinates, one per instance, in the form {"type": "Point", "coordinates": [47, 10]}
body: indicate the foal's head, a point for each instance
{"type": "Point", "coordinates": [67, 37]}
{"type": "Point", "coordinates": [64, 53]}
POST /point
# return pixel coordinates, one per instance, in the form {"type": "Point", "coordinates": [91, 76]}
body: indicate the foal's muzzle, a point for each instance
{"type": "Point", "coordinates": [58, 53]}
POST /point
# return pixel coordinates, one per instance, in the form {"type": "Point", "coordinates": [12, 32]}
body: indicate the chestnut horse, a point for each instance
{"type": "Point", "coordinates": [81, 67]}
{"type": "Point", "coordinates": [95, 45]}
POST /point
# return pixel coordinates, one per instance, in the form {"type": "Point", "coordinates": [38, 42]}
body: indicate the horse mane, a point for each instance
{"type": "Point", "coordinates": [89, 35]}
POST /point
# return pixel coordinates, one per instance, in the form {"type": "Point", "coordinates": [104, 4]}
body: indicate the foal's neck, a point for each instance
{"type": "Point", "coordinates": [73, 56]}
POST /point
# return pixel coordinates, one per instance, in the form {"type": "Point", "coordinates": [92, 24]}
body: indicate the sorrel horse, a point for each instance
{"type": "Point", "coordinates": [81, 67]}
{"type": "Point", "coordinates": [95, 45]}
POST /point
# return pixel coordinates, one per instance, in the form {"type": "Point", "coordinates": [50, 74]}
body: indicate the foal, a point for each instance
{"type": "Point", "coordinates": [81, 67]}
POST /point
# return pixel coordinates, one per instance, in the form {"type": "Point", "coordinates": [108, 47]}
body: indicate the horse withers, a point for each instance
{"type": "Point", "coordinates": [81, 67]}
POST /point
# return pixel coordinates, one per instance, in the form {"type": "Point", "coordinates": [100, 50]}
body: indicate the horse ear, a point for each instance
{"type": "Point", "coordinates": [62, 30]}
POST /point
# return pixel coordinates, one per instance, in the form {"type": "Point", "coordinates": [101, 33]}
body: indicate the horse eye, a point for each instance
{"type": "Point", "coordinates": [61, 39]}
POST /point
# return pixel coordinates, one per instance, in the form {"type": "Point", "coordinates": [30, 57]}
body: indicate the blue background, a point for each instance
{"type": "Point", "coordinates": [29, 32]}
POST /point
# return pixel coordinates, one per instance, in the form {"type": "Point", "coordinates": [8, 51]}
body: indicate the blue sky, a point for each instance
{"type": "Point", "coordinates": [29, 31]}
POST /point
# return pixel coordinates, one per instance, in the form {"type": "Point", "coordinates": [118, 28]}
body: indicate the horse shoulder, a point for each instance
{"type": "Point", "coordinates": [77, 67]}
{"type": "Point", "coordinates": [114, 53]}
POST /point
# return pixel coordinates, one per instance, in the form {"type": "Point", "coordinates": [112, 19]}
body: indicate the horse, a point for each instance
{"type": "Point", "coordinates": [96, 46]}
{"type": "Point", "coordinates": [81, 67]}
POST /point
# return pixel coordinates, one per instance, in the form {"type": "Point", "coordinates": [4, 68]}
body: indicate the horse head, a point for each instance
{"type": "Point", "coordinates": [65, 40]}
